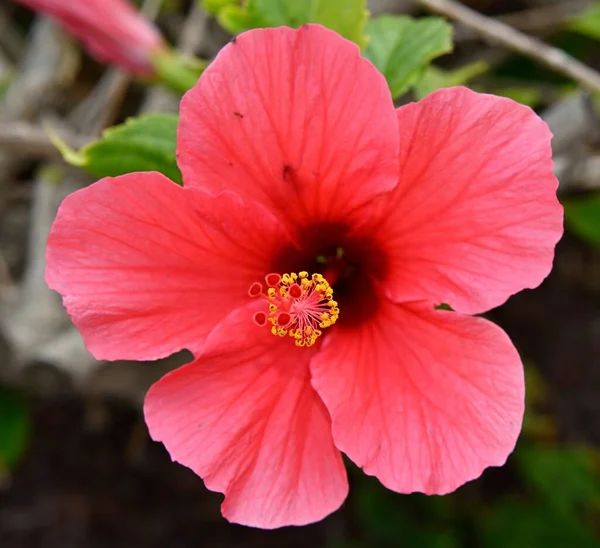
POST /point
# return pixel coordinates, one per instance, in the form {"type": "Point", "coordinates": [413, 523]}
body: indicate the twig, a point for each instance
{"type": "Point", "coordinates": [541, 19]}
{"type": "Point", "coordinates": [10, 39]}
{"type": "Point", "coordinates": [38, 314]}
{"type": "Point", "coordinates": [192, 35]}
{"type": "Point", "coordinates": [68, 354]}
{"type": "Point", "coordinates": [49, 64]}
{"type": "Point", "coordinates": [99, 109]}
{"type": "Point", "coordinates": [501, 33]}
{"type": "Point", "coordinates": [577, 174]}
{"type": "Point", "coordinates": [38, 329]}
{"type": "Point", "coordinates": [194, 30]}
{"type": "Point", "coordinates": [574, 125]}
{"type": "Point", "coordinates": [151, 8]}
{"type": "Point", "coordinates": [569, 122]}
{"type": "Point", "coordinates": [23, 139]}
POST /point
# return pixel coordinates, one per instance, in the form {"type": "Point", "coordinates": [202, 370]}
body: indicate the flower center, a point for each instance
{"type": "Point", "coordinates": [299, 305]}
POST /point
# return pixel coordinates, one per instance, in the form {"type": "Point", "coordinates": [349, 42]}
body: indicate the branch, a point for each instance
{"type": "Point", "coordinates": [501, 33]}
{"type": "Point", "coordinates": [537, 20]}
{"type": "Point", "coordinates": [191, 37]}
{"type": "Point", "coordinates": [23, 139]}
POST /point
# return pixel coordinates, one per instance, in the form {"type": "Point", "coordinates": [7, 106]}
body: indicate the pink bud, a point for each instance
{"type": "Point", "coordinates": [112, 30]}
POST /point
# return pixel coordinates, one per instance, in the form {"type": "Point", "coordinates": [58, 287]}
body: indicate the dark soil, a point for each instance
{"type": "Point", "coordinates": [93, 479]}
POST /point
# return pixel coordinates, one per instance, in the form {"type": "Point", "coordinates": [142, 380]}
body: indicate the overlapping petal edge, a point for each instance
{"type": "Point", "coordinates": [290, 139]}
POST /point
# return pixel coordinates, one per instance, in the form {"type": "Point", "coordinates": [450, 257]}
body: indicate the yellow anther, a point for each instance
{"type": "Point", "coordinates": [300, 306]}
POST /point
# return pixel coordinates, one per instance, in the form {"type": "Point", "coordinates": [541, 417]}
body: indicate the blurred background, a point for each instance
{"type": "Point", "coordinates": [77, 468]}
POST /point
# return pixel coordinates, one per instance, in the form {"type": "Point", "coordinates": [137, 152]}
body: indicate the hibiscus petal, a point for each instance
{"type": "Point", "coordinates": [245, 417]}
{"type": "Point", "coordinates": [146, 267]}
{"type": "Point", "coordinates": [423, 399]}
{"type": "Point", "coordinates": [293, 118]}
{"type": "Point", "coordinates": [475, 216]}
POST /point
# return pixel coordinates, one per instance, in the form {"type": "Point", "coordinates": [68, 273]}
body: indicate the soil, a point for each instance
{"type": "Point", "coordinates": [93, 479]}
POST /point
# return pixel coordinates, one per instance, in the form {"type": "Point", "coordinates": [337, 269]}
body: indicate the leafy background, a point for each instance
{"type": "Point", "coordinates": [76, 465]}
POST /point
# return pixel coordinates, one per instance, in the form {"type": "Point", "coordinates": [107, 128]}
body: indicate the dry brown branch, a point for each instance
{"type": "Point", "coordinates": [569, 122]}
{"type": "Point", "coordinates": [37, 314]}
{"type": "Point", "coordinates": [379, 7]}
{"type": "Point", "coordinates": [540, 19]}
{"type": "Point", "coordinates": [28, 140]}
{"type": "Point", "coordinates": [193, 32]}
{"type": "Point", "coordinates": [192, 35]}
{"type": "Point", "coordinates": [39, 330]}
{"type": "Point", "coordinates": [498, 32]}
{"type": "Point", "coordinates": [49, 64]}
{"type": "Point", "coordinates": [97, 110]}
{"type": "Point", "coordinates": [10, 40]}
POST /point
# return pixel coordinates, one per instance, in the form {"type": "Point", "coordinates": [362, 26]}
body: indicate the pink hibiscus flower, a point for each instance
{"type": "Point", "coordinates": [302, 262]}
{"type": "Point", "coordinates": [112, 30]}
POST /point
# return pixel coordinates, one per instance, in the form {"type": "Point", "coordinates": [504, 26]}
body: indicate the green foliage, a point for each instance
{"type": "Point", "coordinates": [582, 217]}
{"type": "Point", "coordinates": [551, 498]}
{"type": "Point", "coordinates": [436, 78]}
{"type": "Point", "coordinates": [178, 72]}
{"type": "Point", "coordinates": [536, 423]}
{"type": "Point", "coordinates": [526, 95]}
{"type": "Point", "coordinates": [15, 427]}
{"type": "Point", "coordinates": [524, 524]}
{"type": "Point", "coordinates": [393, 520]}
{"type": "Point", "coordinates": [347, 17]}
{"type": "Point", "coordinates": [215, 6]}
{"type": "Point", "coordinates": [566, 478]}
{"type": "Point", "coordinates": [587, 22]}
{"type": "Point", "coordinates": [402, 47]}
{"type": "Point", "coordinates": [5, 82]}
{"type": "Point", "coordinates": [146, 143]}
{"type": "Point", "coordinates": [558, 509]}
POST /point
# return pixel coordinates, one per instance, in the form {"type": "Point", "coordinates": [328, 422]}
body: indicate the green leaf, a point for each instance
{"type": "Point", "coordinates": [401, 47]}
{"type": "Point", "coordinates": [388, 519]}
{"type": "Point", "coordinates": [146, 143]}
{"type": "Point", "coordinates": [522, 524]}
{"type": "Point", "coordinates": [567, 478]}
{"type": "Point", "coordinates": [214, 6]}
{"type": "Point", "coordinates": [587, 22]}
{"type": "Point", "coordinates": [526, 95]}
{"type": "Point", "coordinates": [436, 78]}
{"type": "Point", "coordinates": [236, 19]}
{"type": "Point", "coordinates": [582, 217]}
{"type": "Point", "coordinates": [537, 423]}
{"type": "Point", "coordinates": [346, 17]}
{"type": "Point", "coordinates": [15, 427]}
{"type": "Point", "coordinates": [5, 81]}
{"type": "Point", "coordinates": [179, 72]}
